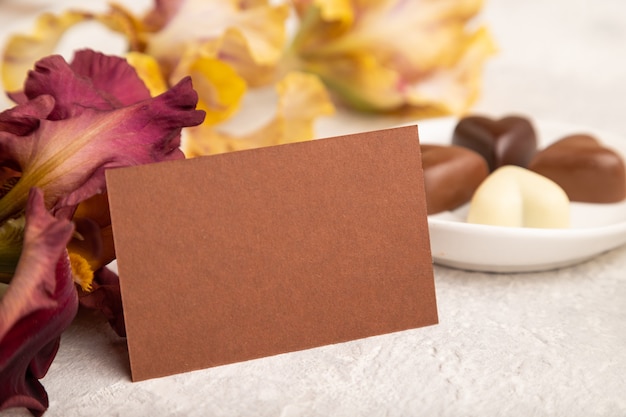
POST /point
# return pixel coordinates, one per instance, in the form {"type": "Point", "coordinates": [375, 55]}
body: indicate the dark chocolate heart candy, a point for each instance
{"type": "Point", "coordinates": [584, 168]}
{"type": "Point", "coordinates": [451, 175]}
{"type": "Point", "coordinates": [509, 141]}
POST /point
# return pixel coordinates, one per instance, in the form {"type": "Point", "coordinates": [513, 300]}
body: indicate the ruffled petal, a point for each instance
{"type": "Point", "coordinates": [93, 80]}
{"type": "Point", "coordinates": [233, 51]}
{"type": "Point", "coordinates": [249, 36]}
{"type": "Point", "coordinates": [110, 76]}
{"type": "Point", "coordinates": [121, 20]}
{"type": "Point", "coordinates": [67, 157]}
{"type": "Point", "coordinates": [302, 100]}
{"type": "Point", "coordinates": [24, 118]}
{"type": "Point", "coordinates": [376, 54]}
{"type": "Point", "coordinates": [256, 42]}
{"type": "Point", "coordinates": [219, 88]}
{"type": "Point", "coordinates": [458, 86]}
{"type": "Point", "coordinates": [149, 71]}
{"type": "Point", "coordinates": [38, 305]}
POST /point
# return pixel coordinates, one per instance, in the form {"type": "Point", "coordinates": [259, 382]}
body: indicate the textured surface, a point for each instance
{"type": "Point", "coordinates": [542, 344]}
{"type": "Point", "coordinates": [549, 343]}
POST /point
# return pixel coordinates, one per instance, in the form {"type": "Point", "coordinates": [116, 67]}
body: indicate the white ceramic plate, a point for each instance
{"type": "Point", "coordinates": [595, 228]}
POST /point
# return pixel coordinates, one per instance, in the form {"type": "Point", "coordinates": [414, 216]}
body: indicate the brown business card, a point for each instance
{"type": "Point", "coordinates": [248, 254]}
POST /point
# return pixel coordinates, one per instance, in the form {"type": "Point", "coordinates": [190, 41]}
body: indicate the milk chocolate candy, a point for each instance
{"type": "Point", "coordinates": [517, 197]}
{"type": "Point", "coordinates": [451, 175]}
{"type": "Point", "coordinates": [584, 168]}
{"type": "Point", "coordinates": [509, 141]}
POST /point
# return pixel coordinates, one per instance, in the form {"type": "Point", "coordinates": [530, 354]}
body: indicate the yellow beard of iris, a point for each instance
{"type": "Point", "coordinates": [81, 271]}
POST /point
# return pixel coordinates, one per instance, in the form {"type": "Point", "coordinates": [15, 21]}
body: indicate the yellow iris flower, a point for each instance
{"type": "Point", "coordinates": [390, 55]}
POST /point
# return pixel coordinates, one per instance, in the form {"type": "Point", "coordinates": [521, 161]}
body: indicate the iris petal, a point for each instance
{"type": "Point", "coordinates": [302, 98]}
{"type": "Point", "coordinates": [460, 84]}
{"type": "Point", "coordinates": [219, 87]}
{"type": "Point", "coordinates": [106, 298]}
{"type": "Point", "coordinates": [394, 55]}
{"type": "Point", "coordinates": [67, 157]}
{"type": "Point", "coordinates": [38, 305]}
{"type": "Point", "coordinates": [249, 36]}
{"type": "Point", "coordinates": [93, 80]}
{"type": "Point", "coordinates": [149, 71]}
{"type": "Point", "coordinates": [22, 51]}
{"type": "Point", "coordinates": [24, 118]}
{"type": "Point", "coordinates": [112, 77]}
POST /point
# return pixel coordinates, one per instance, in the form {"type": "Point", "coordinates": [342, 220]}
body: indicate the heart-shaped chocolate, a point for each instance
{"type": "Point", "coordinates": [451, 175]}
{"type": "Point", "coordinates": [509, 141]}
{"type": "Point", "coordinates": [513, 196]}
{"type": "Point", "coordinates": [584, 168]}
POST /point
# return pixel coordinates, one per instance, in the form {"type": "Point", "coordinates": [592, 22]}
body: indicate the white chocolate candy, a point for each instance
{"type": "Point", "coordinates": [516, 197]}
